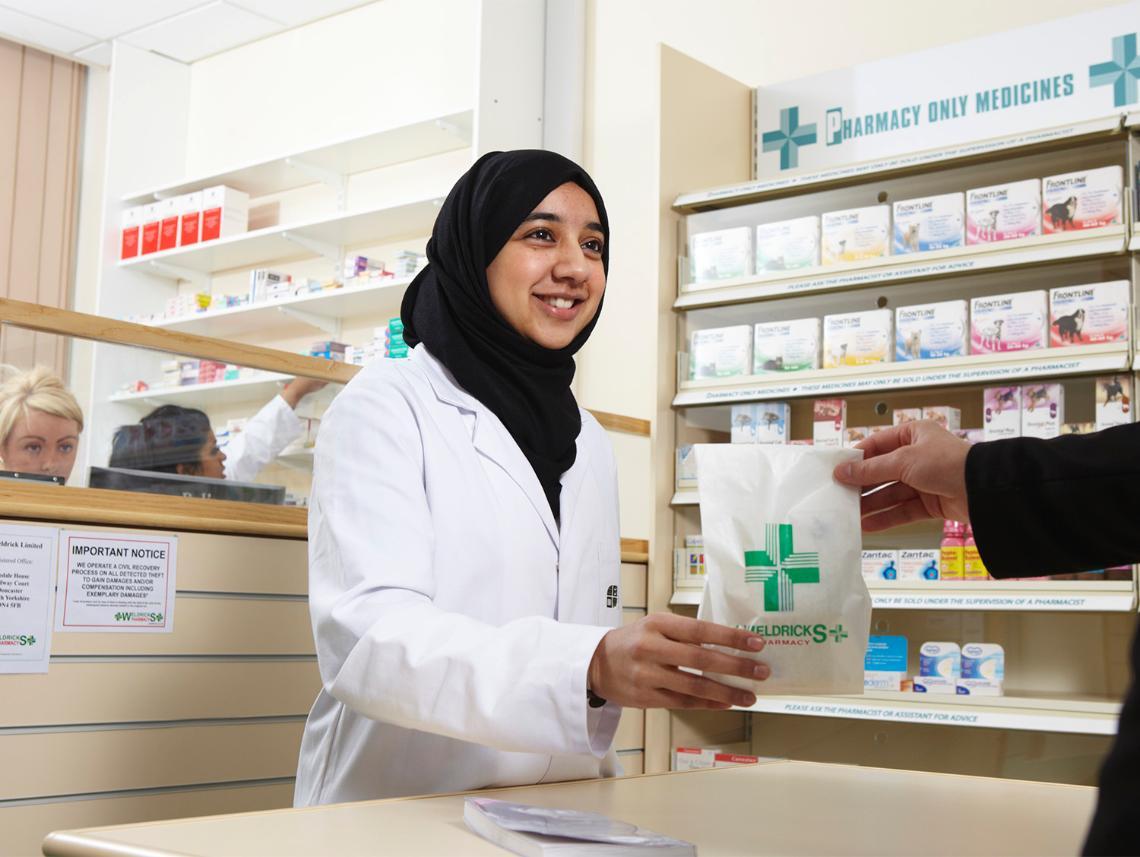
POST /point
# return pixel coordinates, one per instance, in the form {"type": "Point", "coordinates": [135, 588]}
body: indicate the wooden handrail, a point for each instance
{"type": "Point", "coordinates": [96, 328]}
{"type": "Point", "coordinates": [45, 319]}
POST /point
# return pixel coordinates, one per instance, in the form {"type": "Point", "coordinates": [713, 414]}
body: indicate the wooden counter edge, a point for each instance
{"type": "Point", "coordinates": [103, 507]}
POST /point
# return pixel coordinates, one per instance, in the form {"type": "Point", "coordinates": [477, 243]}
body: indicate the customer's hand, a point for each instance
{"type": "Point", "coordinates": [923, 467]}
{"type": "Point", "coordinates": [637, 665]}
{"type": "Point", "coordinates": [298, 388]}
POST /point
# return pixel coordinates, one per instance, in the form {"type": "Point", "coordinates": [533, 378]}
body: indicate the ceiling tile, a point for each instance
{"type": "Point", "coordinates": [27, 30]}
{"type": "Point", "coordinates": [202, 32]}
{"type": "Point", "coordinates": [97, 54]}
{"type": "Point", "coordinates": [103, 19]}
{"type": "Point", "coordinates": [293, 13]}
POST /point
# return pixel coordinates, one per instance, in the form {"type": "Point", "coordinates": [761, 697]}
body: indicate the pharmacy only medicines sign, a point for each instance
{"type": "Point", "coordinates": [1071, 70]}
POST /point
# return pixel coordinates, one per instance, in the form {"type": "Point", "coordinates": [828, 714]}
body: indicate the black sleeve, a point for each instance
{"type": "Point", "coordinates": [1056, 506]}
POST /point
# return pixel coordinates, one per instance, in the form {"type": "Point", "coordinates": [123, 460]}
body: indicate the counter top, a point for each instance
{"type": "Point", "coordinates": [775, 807]}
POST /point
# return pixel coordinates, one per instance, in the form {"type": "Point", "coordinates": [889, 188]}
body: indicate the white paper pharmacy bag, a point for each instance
{"type": "Point", "coordinates": [782, 546]}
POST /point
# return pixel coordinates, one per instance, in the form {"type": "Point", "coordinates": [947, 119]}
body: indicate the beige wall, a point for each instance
{"type": "Point", "coordinates": [757, 42]}
{"type": "Point", "coordinates": [41, 100]}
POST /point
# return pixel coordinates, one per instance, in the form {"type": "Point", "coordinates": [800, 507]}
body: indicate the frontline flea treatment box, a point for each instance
{"type": "Point", "coordinates": [931, 223]}
{"type": "Point", "coordinates": [1084, 200]}
{"type": "Point", "coordinates": [1079, 315]}
{"type": "Point", "coordinates": [722, 351]}
{"type": "Point", "coordinates": [787, 245]}
{"type": "Point", "coordinates": [1003, 212]}
{"type": "Point", "coordinates": [786, 346]}
{"type": "Point", "coordinates": [929, 331]}
{"type": "Point", "coordinates": [721, 255]}
{"type": "Point", "coordinates": [854, 234]}
{"type": "Point", "coordinates": [1015, 322]}
{"type": "Point", "coordinates": [857, 338]}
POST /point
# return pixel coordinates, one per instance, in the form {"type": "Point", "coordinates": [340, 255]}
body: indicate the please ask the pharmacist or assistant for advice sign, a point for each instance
{"type": "Point", "coordinates": [112, 582]}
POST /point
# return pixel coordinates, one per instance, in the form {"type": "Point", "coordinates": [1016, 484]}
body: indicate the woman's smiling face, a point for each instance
{"type": "Point", "coordinates": [547, 280]}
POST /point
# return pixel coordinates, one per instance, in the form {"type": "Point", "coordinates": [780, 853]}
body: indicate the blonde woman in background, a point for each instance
{"type": "Point", "coordinates": [40, 423]}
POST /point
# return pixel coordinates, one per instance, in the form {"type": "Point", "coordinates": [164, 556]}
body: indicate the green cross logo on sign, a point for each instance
{"type": "Point", "coordinates": [1121, 72]}
{"type": "Point", "coordinates": [788, 138]}
{"type": "Point", "coordinates": [837, 633]}
{"type": "Point", "coordinates": [780, 568]}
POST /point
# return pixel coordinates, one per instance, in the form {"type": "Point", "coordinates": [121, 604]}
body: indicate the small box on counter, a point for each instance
{"type": "Point", "coordinates": [787, 245]}
{"type": "Point", "coordinates": [829, 422]}
{"type": "Point", "coordinates": [1014, 322]}
{"type": "Point", "coordinates": [880, 564]}
{"type": "Point", "coordinates": [930, 331]}
{"type": "Point", "coordinates": [1087, 199]}
{"type": "Point", "coordinates": [885, 665]}
{"type": "Point", "coordinates": [1003, 212]}
{"type": "Point", "coordinates": [1113, 401]}
{"type": "Point", "coordinates": [1001, 412]}
{"type": "Point", "coordinates": [1042, 410]}
{"type": "Point", "coordinates": [1097, 312]}
{"type": "Point", "coordinates": [786, 346]}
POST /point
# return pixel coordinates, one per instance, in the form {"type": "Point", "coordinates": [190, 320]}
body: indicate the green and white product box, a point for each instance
{"type": "Point", "coordinates": [786, 346]}
{"type": "Point", "coordinates": [721, 352]}
{"type": "Point", "coordinates": [721, 255]}
{"type": "Point", "coordinates": [787, 245]}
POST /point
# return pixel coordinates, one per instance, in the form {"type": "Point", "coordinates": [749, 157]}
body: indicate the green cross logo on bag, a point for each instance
{"type": "Point", "coordinates": [780, 568]}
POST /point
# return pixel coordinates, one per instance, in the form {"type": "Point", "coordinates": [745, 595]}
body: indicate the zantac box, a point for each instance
{"type": "Point", "coordinates": [929, 331]}
{"type": "Point", "coordinates": [720, 352]}
{"type": "Point", "coordinates": [857, 338]}
{"type": "Point", "coordinates": [930, 223]}
{"type": "Point", "coordinates": [919, 563]}
{"type": "Point", "coordinates": [787, 245]}
{"type": "Point", "coordinates": [1002, 323]}
{"type": "Point", "coordinates": [854, 234]}
{"type": "Point", "coordinates": [724, 254]}
{"type": "Point", "coordinates": [1001, 412]}
{"type": "Point", "coordinates": [786, 346]}
{"type": "Point", "coordinates": [1085, 200]}
{"type": "Point", "coordinates": [766, 422]}
{"type": "Point", "coordinates": [880, 564]}
{"type": "Point", "coordinates": [1003, 212]}
{"type": "Point", "coordinates": [1079, 315]}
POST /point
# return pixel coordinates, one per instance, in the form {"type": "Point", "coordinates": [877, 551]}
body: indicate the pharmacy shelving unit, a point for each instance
{"type": "Point", "coordinates": [1070, 699]}
{"type": "Point", "coordinates": [372, 184]}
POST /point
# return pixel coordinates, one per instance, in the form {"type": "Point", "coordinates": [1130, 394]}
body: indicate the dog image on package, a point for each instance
{"type": "Point", "coordinates": [783, 553]}
{"type": "Point", "coordinates": [1084, 200]}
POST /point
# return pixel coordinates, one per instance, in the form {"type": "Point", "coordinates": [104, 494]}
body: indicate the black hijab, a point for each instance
{"type": "Point", "coordinates": [448, 308]}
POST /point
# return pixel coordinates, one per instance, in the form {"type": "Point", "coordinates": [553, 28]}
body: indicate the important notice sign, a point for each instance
{"type": "Point", "coordinates": [116, 582]}
{"type": "Point", "coordinates": [27, 574]}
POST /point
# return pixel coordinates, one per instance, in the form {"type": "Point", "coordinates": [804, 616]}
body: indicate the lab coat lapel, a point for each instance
{"type": "Point", "coordinates": [490, 437]}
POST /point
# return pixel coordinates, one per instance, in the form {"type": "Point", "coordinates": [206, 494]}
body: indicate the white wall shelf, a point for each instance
{"type": "Point", "coordinates": [686, 497]}
{"type": "Point", "coordinates": [432, 136]}
{"type": "Point", "coordinates": [754, 191]}
{"type": "Point", "coordinates": [257, 389]}
{"type": "Point", "coordinates": [1058, 596]}
{"type": "Point", "coordinates": [267, 317]}
{"type": "Point", "coordinates": [1108, 240]}
{"type": "Point", "coordinates": [973, 369]}
{"type": "Point", "coordinates": [294, 241]}
{"type": "Point", "coordinates": [1134, 244]}
{"type": "Point", "coordinates": [1074, 714]}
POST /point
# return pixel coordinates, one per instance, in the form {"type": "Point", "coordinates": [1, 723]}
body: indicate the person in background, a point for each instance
{"type": "Point", "coordinates": [1047, 506]}
{"type": "Point", "coordinates": [173, 439]}
{"type": "Point", "coordinates": [40, 423]}
{"type": "Point", "coordinates": [268, 432]}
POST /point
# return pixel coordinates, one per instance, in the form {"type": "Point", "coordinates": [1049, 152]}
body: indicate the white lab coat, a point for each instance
{"type": "Point", "coordinates": [265, 434]}
{"type": "Point", "coordinates": [454, 621]}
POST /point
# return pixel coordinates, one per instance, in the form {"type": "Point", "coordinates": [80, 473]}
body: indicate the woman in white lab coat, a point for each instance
{"type": "Point", "coordinates": [464, 548]}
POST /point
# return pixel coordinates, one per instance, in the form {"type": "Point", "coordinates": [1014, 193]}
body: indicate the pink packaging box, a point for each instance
{"type": "Point", "coordinates": [1014, 322]}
